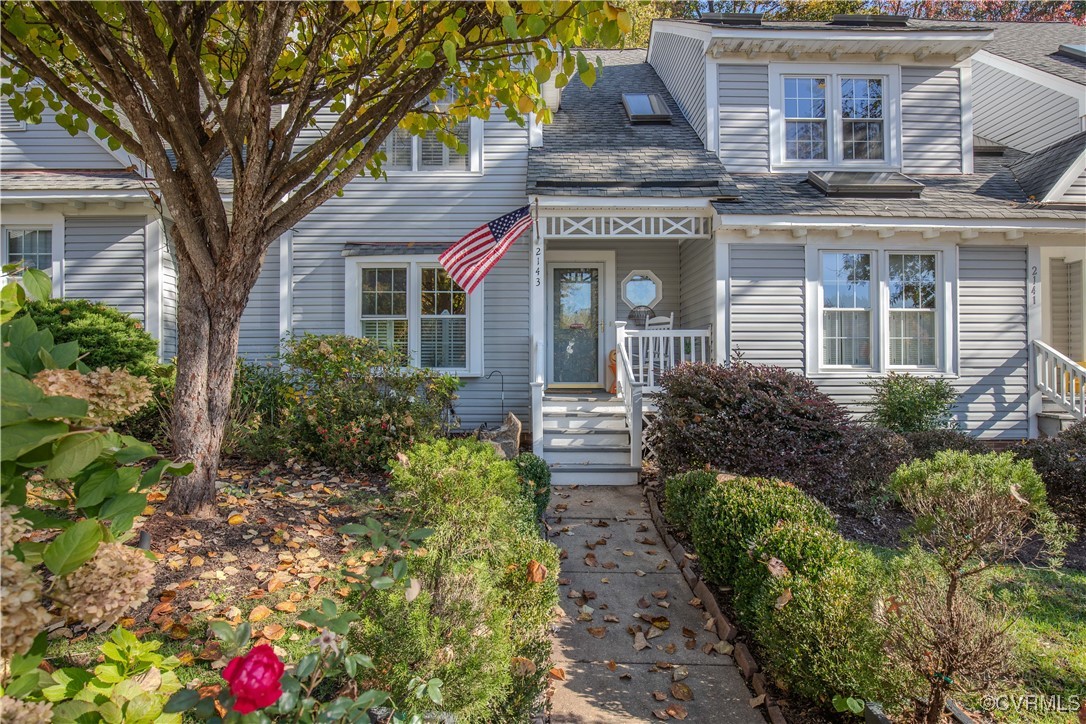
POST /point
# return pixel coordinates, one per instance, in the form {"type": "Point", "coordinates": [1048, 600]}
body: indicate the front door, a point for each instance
{"type": "Point", "coordinates": [575, 325]}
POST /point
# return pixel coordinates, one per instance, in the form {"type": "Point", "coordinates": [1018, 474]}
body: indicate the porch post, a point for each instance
{"type": "Point", "coordinates": [537, 332]}
{"type": "Point", "coordinates": [1034, 327]}
{"type": "Point", "coordinates": [721, 323]}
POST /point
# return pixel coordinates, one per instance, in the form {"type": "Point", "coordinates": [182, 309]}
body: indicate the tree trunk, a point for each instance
{"type": "Point", "coordinates": [206, 356]}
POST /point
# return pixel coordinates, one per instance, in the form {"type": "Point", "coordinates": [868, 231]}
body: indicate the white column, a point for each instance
{"type": "Point", "coordinates": [537, 279]}
{"type": "Point", "coordinates": [721, 322]}
{"type": "Point", "coordinates": [1034, 322]}
{"type": "Point", "coordinates": [152, 304]}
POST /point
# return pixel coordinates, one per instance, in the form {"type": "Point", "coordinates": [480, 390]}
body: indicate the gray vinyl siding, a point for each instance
{"type": "Point", "coordinates": [766, 315]}
{"type": "Point", "coordinates": [105, 259]}
{"type": "Point", "coordinates": [1019, 113]}
{"type": "Point", "coordinates": [697, 284]}
{"type": "Point", "coordinates": [48, 146]}
{"type": "Point", "coordinates": [931, 120]}
{"type": "Point", "coordinates": [169, 304]}
{"type": "Point", "coordinates": [1076, 193]}
{"type": "Point", "coordinates": [429, 208]}
{"type": "Point", "coordinates": [743, 97]}
{"type": "Point", "coordinates": [993, 383]}
{"type": "Point", "coordinates": [659, 257]}
{"type": "Point", "coordinates": [680, 63]}
{"type": "Point", "coordinates": [258, 339]}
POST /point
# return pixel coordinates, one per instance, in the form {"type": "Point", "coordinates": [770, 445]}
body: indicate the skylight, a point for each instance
{"type": "Point", "coordinates": [1076, 51]}
{"type": "Point", "coordinates": [646, 108]}
{"type": "Point", "coordinates": [884, 184]}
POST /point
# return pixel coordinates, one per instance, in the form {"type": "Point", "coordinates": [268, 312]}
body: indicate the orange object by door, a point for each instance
{"type": "Point", "coordinates": [612, 371]}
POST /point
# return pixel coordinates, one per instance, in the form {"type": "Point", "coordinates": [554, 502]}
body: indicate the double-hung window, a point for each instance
{"type": "Point", "coordinates": [411, 305]}
{"type": "Point", "coordinates": [407, 152]}
{"type": "Point", "coordinates": [879, 310]}
{"type": "Point", "coordinates": [834, 116]}
{"type": "Point", "coordinates": [33, 247]}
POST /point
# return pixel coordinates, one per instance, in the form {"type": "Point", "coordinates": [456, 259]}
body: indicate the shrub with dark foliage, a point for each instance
{"type": "Point", "coordinates": [750, 420]}
{"type": "Point", "coordinates": [928, 442]}
{"type": "Point", "coordinates": [106, 336]}
{"type": "Point", "coordinates": [1061, 463]}
{"type": "Point", "coordinates": [874, 453]}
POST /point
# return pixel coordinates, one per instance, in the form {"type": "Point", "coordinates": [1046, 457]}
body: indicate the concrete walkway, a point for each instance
{"type": "Point", "coordinates": [617, 579]}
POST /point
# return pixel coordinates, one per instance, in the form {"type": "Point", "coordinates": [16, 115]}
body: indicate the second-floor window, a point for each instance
{"type": "Point", "coordinates": [406, 152]}
{"type": "Point", "coordinates": [831, 117]}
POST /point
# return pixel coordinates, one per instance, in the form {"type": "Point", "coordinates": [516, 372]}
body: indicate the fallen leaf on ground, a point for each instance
{"type": "Point", "coordinates": [678, 711]}
{"type": "Point", "coordinates": [557, 673]}
{"type": "Point", "coordinates": [273, 632]}
{"type": "Point", "coordinates": [259, 613]}
{"type": "Point", "coordinates": [610, 565]}
{"type": "Point", "coordinates": [757, 701]}
{"type": "Point", "coordinates": [679, 673]}
{"type": "Point", "coordinates": [286, 606]}
{"type": "Point", "coordinates": [661, 714]}
{"type": "Point", "coordinates": [597, 631]}
{"type": "Point", "coordinates": [201, 605]}
{"type": "Point", "coordinates": [610, 618]}
{"type": "Point", "coordinates": [611, 665]}
{"type": "Point", "coordinates": [776, 567]}
{"type": "Point", "coordinates": [235, 519]}
{"type": "Point", "coordinates": [640, 643]}
{"type": "Point", "coordinates": [784, 598]}
{"type": "Point", "coordinates": [681, 691]}
{"type": "Point", "coordinates": [196, 561]}
{"type": "Point", "coordinates": [590, 560]}
{"type": "Point", "coordinates": [662, 594]}
{"type": "Point", "coordinates": [643, 602]}
{"type": "Point", "coordinates": [661, 622]}
{"type": "Point", "coordinates": [659, 695]}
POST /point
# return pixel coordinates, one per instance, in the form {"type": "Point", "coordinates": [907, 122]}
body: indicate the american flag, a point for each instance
{"type": "Point", "coordinates": [470, 259]}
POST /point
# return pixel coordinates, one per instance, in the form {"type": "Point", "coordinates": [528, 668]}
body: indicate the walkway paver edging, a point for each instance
{"type": "Point", "coordinates": [726, 630]}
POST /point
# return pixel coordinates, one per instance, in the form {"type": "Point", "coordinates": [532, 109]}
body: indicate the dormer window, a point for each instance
{"type": "Point", "coordinates": [646, 108]}
{"type": "Point", "coordinates": [835, 116]}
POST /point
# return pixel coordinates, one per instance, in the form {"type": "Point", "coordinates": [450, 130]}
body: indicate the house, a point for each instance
{"type": "Point", "coordinates": [812, 195]}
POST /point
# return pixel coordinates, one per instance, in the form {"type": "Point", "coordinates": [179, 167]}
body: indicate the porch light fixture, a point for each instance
{"type": "Point", "coordinates": [646, 108]}
{"type": "Point", "coordinates": [642, 288]}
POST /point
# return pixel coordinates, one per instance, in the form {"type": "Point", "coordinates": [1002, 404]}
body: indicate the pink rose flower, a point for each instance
{"type": "Point", "coordinates": [254, 679]}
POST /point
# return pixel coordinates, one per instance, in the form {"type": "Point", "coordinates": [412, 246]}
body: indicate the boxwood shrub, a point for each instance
{"type": "Point", "coordinates": [805, 594]}
{"type": "Point", "coordinates": [486, 542]}
{"type": "Point", "coordinates": [535, 480]}
{"type": "Point", "coordinates": [749, 420]}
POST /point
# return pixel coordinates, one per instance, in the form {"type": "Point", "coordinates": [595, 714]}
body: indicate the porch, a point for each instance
{"type": "Point", "coordinates": [619, 297]}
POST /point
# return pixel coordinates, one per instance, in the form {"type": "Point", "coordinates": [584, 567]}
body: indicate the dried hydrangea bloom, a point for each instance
{"type": "Point", "coordinates": [23, 617]}
{"type": "Point", "coordinates": [12, 528]}
{"type": "Point", "coordinates": [107, 586]}
{"type": "Point", "coordinates": [18, 711]}
{"type": "Point", "coordinates": [111, 395]}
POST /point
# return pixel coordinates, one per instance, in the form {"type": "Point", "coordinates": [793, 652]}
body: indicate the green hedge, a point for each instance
{"type": "Point", "coordinates": [806, 595]}
{"type": "Point", "coordinates": [478, 592]}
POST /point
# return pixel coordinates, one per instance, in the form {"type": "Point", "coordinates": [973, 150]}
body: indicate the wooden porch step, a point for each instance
{"type": "Point", "coordinates": [594, 475]}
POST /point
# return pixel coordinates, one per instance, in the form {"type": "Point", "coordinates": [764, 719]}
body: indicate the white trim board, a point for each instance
{"type": "Point", "coordinates": [743, 221]}
{"type": "Point", "coordinates": [152, 305]}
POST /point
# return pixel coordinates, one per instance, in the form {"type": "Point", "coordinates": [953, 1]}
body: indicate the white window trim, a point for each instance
{"type": "Point", "coordinates": [475, 155]}
{"type": "Point", "coordinates": [891, 75]}
{"type": "Point", "coordinates": [353, 307]}
{"type": "Point", "coordinates": [946, 310]}
{"type": "Point", "coordinates": [40, 220]}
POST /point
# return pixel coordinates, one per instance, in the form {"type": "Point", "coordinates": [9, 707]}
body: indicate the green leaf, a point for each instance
{"type": "Point", "coordinates": [38, 284]}
{"type": "Point", "coordinates": [449, 48]}
{"type": "Point", "coordinates": [509, 25]}
{"type": "Point", "coordinates": [122, 510]}
{"type": "Point", "coordinates": [181, 701]}
{"type": "Point", "coordinates": [382, 583]}
{"type": "Point", "coordinates": [425, 59]}
{"type": "Point", "coordinates": [73, 547]}
{"type": "Point", "coordinates": [100, 485]}
{"type": "Point", "coordinates": [19, 389]}
{"type": "Point", "coordinates": [73, 453]}
{"type": "Point", "coordinates": [134, 451]}
{"type": "Point", "coordinates": [433, 690]}
{"type": "Point", "coordinates": [51, 407]}
{"type": "Point", "coordinates": [23, 437]}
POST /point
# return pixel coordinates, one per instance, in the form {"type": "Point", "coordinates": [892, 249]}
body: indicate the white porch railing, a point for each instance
{"type": "Point", "coordinates": [629, 389]}
{"type": "Point", "coordinates": [1060, 378]}
{"type": "Point", "coordinates": [654, 351]}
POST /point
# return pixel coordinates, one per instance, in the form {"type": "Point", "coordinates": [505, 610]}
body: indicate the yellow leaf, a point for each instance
{"type": "Point", "coordinates": [286, 606]}
{"type": "Point", "coordinates": [393, 25]}
{"type": "Point", "coordinates": [525, 104]}
{"type": "Point", "coordinates": [196, 561]}
{"type": "Point", "coordinates": [235, 519]}
{"type": "Point", "coordinates": [259, 613]}
{"type": "Point", "coordinates": [353, 6]}
{"type": "Point", "coordinates": [625, 21]}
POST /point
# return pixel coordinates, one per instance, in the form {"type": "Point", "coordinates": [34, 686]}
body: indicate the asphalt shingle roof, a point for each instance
{"type": "Point", "coordinates": [1039, 172]}
{"type": "Point", "coordinates": [1037, 44]}
{"type": "Point", "coordinates": [71, 180]}
{"type": "Point", "coordinates": [989, 193]}
{"type": "Point", "coordinates": [592, 149]}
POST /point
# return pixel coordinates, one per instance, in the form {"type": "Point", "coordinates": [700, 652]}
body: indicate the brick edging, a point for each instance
{"type": "Point", "coordinates": [725, 629]}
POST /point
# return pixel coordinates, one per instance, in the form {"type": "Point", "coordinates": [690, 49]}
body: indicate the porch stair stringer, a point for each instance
{"type": "Point", "coordinates": [586, 440]}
